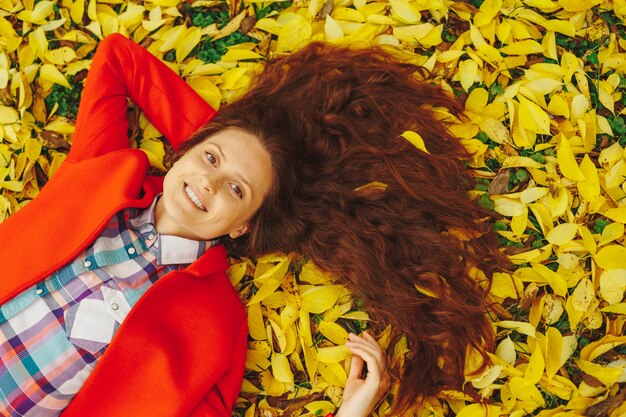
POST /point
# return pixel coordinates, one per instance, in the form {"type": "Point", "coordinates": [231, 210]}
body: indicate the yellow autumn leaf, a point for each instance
{"type": "Point", "coordinates": [349, 14]}
{"type": "Point", "coordinates": [236, 54]}
{"type": "Point", "coordinates": [281, 368]}
{"type": "Point", "coordinates": [524, 47]}
{"type": "Point", "coordinates": [51, 73]}
{"type": "Point", "coordinates": [155, 150]}
{"type": "Point", "coordinates": [611, 232]}
{"type": "Point", "coordinates": [611, 257]}
{"type": "Point", "coordinates": [535, 368]}
{"type": "Point", "coordinates": [207, 90]}
{"type": "Point", "coordinates": [619, 308]}
{"type": "Point", "coordinates": [569, 65]}
{"type": "Point", "coordinates": [333, 332]}
{"type": "Point", "coordinates": [583, 295]}
{"type": "Point", "coordinates": [477, 100]}
{"type": "Point", "coordinates": [533, 117]}
{"type": "Point", "coordinates": [38, 14]}
{"type": "Point", "coordinates": [525, 391]}
{"type": "Point", "coordinates": [506, 285]}
{"type": "Point", "coordinates": [256, 361]}
{"type": "Point", "coordinates": [589, 187]}
{"type": "Point", "coordinates": [562, 234]}
{"type": "Point", "coordinates": [607, 376]}
{"type": "Point", "coordinates": [77, 10]}
{"type": "Point", "coordinates": [553, 350]}
{"type": "Point", "coordinates": [332, 29]}
{"type": "Point", "coordinates": [506, 351]}
{"type": "Point", "coordinates": [32, 149]}
{"type": "Point", "coordinates": [588, 240]}
{"type": "Point", "coordinates": [519, 223]}
{"type": "Point", "coordinates": [60, 56]}
{"type": "Point", "coordinates": [279, 335]}
{"type": "Point", "coordinates": [272, 386]}
{"type": "Point", "coordinates": [332, 354]}
{"type": "Point", "coordinates": [415, 139]}
{"type": "Point", "coordinates": [555, 281]}
{"type": "Point", "coordinates": [319, 298]}
{"type": "Point", "coordinates": [320, 407]}
{"type": "Point", "coordinates": [508, 206]}
{"type": "Point", "coordinates": [577, 5]}
{"type": "Point", "coordinates": [520, 161]}
{"type": "Point", "coordinates": [468, 72]}
{"type": "Point", "coordinates": [495, 130]}
{"type": "Point", "coordinates": [519, 326]}
{"type": "Point", "coordinates": [189, 41]}
{"type": "Point", "coordinates": [256, 326]}
{"type": "Point", "coordinates": [488, 10]}
{"type": "Point", "coordinates": [8, 115]}
{"type": "Point", "coordinates": [532, 194]}
{"type": "Point", "coordinates": [266, 290]}
{"type": "Point", "coordinates": [60, 126]}
{"type": "Point", "coordinates": [293, 34]}
{"type": "Point", "coordinates": [405, 12]}
{"type": "Point", "coordinates": [333, 373]}
{"type": "Point", "coordinates": [616, 214]}
{"type": "Point", "coordinates": [310, 274]}
{"type": "Point", "coordinates": [356, 315]}
{"type": "Point", "coordinates": [599, 347]}
{"type": "Point", "coordinates": [580, 105]}
{"type": "Point", "coordinates": [567, 163]}
{"type": "Point", "coordinates": [564, 27]}
{"type": "Point", "coordinates": [613, 285]}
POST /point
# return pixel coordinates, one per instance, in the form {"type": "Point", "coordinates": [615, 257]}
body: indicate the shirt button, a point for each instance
{"type": "Point", "coordinates": [114, 306]}
{"type": "Point", "coordinates": [87, 264]}
{"type": "Point", "coordinates": [151, 236]}
{"type": "Point", "coordinates": [39, 291]}
{"type": "Point", "coordinates": [131, 251]}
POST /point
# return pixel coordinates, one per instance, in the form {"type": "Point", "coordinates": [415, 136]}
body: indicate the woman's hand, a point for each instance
{"type": "Point", "coordinates": [361, 395]}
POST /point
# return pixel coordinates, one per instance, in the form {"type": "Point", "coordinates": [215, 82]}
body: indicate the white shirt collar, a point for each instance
{"type": "Point", "coordinates": [170, 249]}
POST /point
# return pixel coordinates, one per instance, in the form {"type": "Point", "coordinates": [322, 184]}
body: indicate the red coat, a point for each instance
{"type": "Point", "coordinates": [181, 350]}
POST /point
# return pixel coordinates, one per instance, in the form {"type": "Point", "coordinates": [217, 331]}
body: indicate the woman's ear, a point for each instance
{"type": "Point", "coordinates": [241, 230]}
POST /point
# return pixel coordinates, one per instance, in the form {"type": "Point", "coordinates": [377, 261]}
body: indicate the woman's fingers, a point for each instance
{"type": "Point", "coordinates": [367, 340]}
{"type": "Point", "coordinates": [373, 366]}
{"type": "Point", "coordinates": [369, 344]}
{"type": "Point", "coordinates": [356, 367]}
{"type": "Point", "coordinates": [362, 394]}
{"type": "Point", "coordinates": [369, 351]}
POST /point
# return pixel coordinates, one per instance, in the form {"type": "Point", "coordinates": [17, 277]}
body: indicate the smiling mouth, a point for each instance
{"type": "Point", "coordinates": [194, 198]}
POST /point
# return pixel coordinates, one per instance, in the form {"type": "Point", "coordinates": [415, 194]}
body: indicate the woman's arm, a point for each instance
{"type": "Point", "coordinates": [122, 69]}
{"type": "Point", "coordinates": [361, 395]}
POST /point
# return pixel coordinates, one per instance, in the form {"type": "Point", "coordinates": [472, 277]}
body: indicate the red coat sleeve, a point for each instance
{"type": "Point", "coordinates": [219, 401]}
{"type": "Point", "coordinates": [122, 69]}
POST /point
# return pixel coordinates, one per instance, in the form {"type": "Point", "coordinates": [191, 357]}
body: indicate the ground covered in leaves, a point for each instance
{"type": "Point", "coordinates": [543, 84]}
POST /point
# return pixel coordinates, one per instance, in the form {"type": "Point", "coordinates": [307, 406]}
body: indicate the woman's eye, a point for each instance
{"type": "Point", "coordinates": [237, 190]}
{"type": "Point", "coordinates": [211, 158]}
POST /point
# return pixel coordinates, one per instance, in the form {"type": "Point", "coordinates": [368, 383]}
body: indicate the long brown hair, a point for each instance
{"type": "Point", "coordinates": [366, 205]}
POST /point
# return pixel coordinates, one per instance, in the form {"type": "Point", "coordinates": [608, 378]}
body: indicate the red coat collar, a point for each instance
{"type": "Point", "coordinates": [70, 211]}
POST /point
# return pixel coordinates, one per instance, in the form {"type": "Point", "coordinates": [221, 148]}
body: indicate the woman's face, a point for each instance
{"type": "Point", "coordinates": [216, 187]}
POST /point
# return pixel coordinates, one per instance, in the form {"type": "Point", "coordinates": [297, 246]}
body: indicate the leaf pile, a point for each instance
{"type": "Point", "coordinates": [543, 84]}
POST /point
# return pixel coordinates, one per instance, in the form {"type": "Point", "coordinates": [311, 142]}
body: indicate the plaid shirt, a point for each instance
{"type": "Point", "coordinates": [53, 334]}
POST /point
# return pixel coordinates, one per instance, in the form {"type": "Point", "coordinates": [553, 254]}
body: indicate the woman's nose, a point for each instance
{"type": "Point", "coordinates": [210, 182]}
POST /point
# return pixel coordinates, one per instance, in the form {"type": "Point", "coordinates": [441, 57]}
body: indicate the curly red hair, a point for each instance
{"type": "Point", "coordinates": [342, 112]}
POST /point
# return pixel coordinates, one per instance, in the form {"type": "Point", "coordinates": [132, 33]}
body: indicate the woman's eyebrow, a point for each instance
{"type": "Point", "coordinates": [237, 175]}
{"type": "Point", "coordinates": [219, 149]}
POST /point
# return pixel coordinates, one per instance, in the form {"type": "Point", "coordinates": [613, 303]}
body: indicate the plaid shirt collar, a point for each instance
{"type": "Point", "coordinates": [172, 249]}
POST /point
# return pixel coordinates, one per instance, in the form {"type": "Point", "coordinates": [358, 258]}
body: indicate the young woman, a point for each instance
{"type": "Point", "coordinates": [114, 299]}
{"type": "Point", "coordinates": [311, 160]}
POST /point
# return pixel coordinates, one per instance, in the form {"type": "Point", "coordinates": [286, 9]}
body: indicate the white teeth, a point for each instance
{"type": "Point", "coordinates": [194, 198]}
